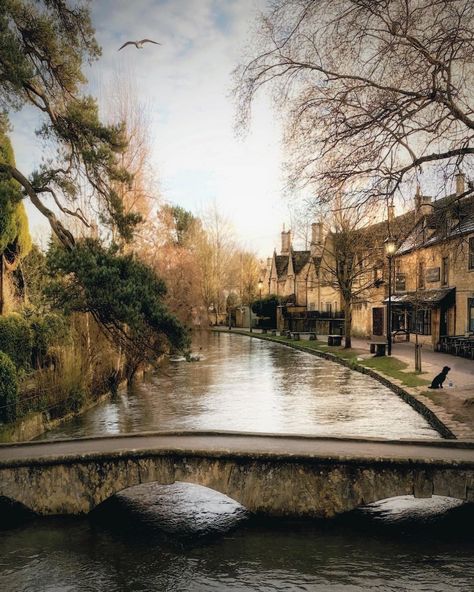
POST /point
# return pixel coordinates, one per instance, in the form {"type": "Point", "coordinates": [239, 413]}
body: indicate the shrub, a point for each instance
{"type": "Point", "coordinates": [8, 389]}
{"type": "Point", "coordinates": [16, 340]}
{"type": "Point", "coordinates": [47, 331]}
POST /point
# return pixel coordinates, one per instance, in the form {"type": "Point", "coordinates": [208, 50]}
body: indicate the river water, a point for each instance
{"type": "Point", "coordinates": [184, 537]}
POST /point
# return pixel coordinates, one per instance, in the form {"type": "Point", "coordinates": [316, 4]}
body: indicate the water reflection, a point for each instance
{"type": "Point", "coordinates": [254, 386]}
{"type": "Point", "coordinates": [150, 549]}
{"type": "Point", "coordinates": [183, 537]}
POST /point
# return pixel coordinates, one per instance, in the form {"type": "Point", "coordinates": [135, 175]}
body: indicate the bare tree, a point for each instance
{"type": "Point", "coordinates": [373, 92]}
{"type": "Point", "coordinates": [139, 194]}
{"type": "Point", "coordinates": [352, 258]}
{"type": "Point", "coordinates": [214, 251]}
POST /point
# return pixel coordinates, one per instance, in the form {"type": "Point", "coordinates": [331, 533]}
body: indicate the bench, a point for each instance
{"type": "Point", "coordinates": [334, 340]}
{"type": "Point", "coordinates": [400, 335]}
{"type": "Point", "coordinates": [306, 335]}
{"type": "Point", "coordinates": [378, 347]}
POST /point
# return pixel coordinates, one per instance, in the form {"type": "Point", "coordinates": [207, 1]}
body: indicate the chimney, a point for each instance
{"type": "Point", "coordinates": [316, 233]}
{"type": "Point", "coordinates": [391, 213]}
{"type": "Point", "coordinates": [285, 242]}
{"type": "Point", "coordinates": [417, 199]}
{"type": "Point", "coordinates": [317, 236]}
{"type": "Point", "coordinates": [460, 183]}
{"type": "Point", "coordinates": [269, 263]}
{"type": "Point", "coordinates": [423, 206]}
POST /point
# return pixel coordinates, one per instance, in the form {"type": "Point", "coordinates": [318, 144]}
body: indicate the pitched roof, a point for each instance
{"type": "Point", "coordinates": [281, 265]}
{"type": "Point", "coordinates": [450, 217]}
{"type": "Point", "coordinates": [300, 259]}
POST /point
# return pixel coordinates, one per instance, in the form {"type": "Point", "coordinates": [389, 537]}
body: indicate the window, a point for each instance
{"type": "Point", "coordinates": [420, 322]}
{"type": "Point", "coordinates": [470, 312]}
{"type": "Point", "coordinates": [328, 307]}
{"type": "Point", "coordinates": [400, 282]}
{"type": "Point", "coordinates": [445, 271]}
{"type": "Point", "coordinates": [471, 252]}
{"type": "Point", "coordinates": [421, 275]}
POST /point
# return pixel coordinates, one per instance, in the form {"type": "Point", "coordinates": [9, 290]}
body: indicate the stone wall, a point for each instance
{"type": "Point", "coordinates": [271, 486]}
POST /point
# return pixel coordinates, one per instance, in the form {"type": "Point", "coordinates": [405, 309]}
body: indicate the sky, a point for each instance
{"type": "Point", "coordinates": [186, 84]}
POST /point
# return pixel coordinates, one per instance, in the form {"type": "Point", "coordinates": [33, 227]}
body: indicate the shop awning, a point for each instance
{"type": "Point", "coordinates": [429, 298]}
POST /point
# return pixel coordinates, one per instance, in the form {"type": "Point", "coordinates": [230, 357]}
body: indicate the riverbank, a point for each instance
{"type": "Point", "coordinates": [450, 415]}
{"type": "Point", "coordinates": [36, 423]}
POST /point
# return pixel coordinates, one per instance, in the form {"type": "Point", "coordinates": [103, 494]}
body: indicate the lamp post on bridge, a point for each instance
{"type": "Point", "coordinates": [390, 248]}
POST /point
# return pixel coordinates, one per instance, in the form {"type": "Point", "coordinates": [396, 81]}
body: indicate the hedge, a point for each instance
{"type": "Point", "coordinates": [8, 389]}
{"type": "Point", "coordinates": [16, 340]}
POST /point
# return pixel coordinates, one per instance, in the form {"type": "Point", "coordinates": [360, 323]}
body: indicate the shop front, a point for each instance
{"type": "Point", "coordinates": [426, 313]}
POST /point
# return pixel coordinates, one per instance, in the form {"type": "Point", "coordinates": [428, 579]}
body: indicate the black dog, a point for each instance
{"type": "Point", "coordinates": [440, 378]}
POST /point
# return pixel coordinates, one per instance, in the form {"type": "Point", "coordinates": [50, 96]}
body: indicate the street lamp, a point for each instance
{"type": "Point", "coordinates": [260, 286]}
{"type": "Point", "coordinates": [390, 248]}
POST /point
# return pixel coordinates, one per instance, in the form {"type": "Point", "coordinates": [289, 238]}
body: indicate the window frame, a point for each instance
{"type": "Point", "coordinates": [445, 271]}
{"type": "Point", "coordinates": [470, 314]}
{"type": "Point", "coordinates": [470, 254]}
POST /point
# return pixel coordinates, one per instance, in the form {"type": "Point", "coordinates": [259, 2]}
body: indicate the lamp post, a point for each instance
{"type": "Point", "coordinates": [390, 248]}
{"type": "Point", "coordinates": [260, 286]}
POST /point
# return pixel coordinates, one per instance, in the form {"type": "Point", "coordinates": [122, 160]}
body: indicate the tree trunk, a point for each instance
{"type": "Point", "coordinates": [347, 323]}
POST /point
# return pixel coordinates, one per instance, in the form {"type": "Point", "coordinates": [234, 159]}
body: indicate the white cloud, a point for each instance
{"type": "Point", "coordinates": [187, 83]}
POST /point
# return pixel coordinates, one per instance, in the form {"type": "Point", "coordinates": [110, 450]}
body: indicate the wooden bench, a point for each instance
{"type": "Point", "coordinates": [306, 335]}
{"type": "Point", "coordinates": [334, 340]}
{"type": "Point", "coordinates": [378, 348]}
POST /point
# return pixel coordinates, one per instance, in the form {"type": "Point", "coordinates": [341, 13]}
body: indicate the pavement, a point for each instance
{"type": "Point", "coordinates": [454, 403]}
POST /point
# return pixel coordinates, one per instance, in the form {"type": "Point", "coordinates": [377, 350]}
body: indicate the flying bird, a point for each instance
{"type": "Point", "coordinates": [138, 44]}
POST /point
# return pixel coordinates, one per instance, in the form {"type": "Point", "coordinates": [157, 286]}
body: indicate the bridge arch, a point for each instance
{"type": "Point", "coordinates": [276, 487]}
{"type": "Point", "coordinates": [273, 475]}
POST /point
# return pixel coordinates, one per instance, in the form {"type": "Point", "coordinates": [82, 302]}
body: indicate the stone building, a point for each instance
{"type": "Point", "coordinates": [432, 272]}
{"type": "Point", "coordinates": [297, 278]}
{"type": "Point", "coordinates": [434, 269]}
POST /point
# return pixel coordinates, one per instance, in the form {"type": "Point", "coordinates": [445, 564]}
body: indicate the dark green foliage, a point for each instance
{"type": "Point", "coordinates": [48, 330]}
{"type": "Point", "coordinates": [16, 340]}
{"type": "Point", "coordinates": [43, 47]}
{"type": "Point", "coordinates": [15, 241]}
{"type": "Point", "coordinates": [122, 294]}
{"type": "Point", "coordinates": [71, 402]}
{"type": "Point", "coordinates": [8, 389]}
{"type": "Point", "coordinates": [183, 222]}
{"type": "Point", "coordinates": [33, 267]}
{"type": "Point", "coordinates": [266, 309]}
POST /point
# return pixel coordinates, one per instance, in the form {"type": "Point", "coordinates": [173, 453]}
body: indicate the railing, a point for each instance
{"type": "Point", "coordinates": [314, 314]}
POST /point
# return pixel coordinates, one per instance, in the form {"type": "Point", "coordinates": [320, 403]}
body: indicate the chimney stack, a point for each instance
{"type": "Point", "coordinates": [460, 183]}
{"type": "Point", "coordinates": [391, 213]}
{"type": "Point", "coordinates": [269, 263]}
{"type": "Point", "coordinates": [316, 233]}
{"type": "Point", "coordinates": [425, 207]}
{"type": "Point", "coordinates": [285, 242]}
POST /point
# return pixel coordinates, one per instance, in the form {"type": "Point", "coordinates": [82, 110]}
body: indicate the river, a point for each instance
{"type": "Point", "coordinates": [184, 537]}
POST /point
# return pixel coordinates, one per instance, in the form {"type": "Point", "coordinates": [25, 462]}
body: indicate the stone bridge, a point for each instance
{"type": "Point", "coordinates": [269, 474]}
